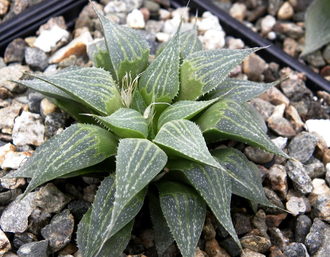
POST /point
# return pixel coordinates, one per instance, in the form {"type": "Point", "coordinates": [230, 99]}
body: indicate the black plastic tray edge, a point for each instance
{"type": "Point", "coordinates": [27, 22]}
{"type": "Point", "coordinates": [273, 53]}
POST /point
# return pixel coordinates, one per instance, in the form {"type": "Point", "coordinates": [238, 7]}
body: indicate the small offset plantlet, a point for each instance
{"type": "Point", "coordinates": [145, 129]}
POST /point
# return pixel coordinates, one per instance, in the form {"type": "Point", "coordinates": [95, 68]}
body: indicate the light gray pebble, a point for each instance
{"type": "Point", "coordinates": [315, 59]}
{"type": "Point", "coordinates": [315, 237]}
{"type": "Point", "coordinates": [34, 249]}
{"type": "Point", "coordinates": [265, 108]}
{"type": "Point", "coordinates": [36, 58]}
{"type": "Point", "coordinates": [15, 216]}
{"type": "Point", "coordinates": [258, 155]}
{"type": "Point", "coordinates": [23, 238]}
{"type": "Point", "coordinates": [302, 146]}
{"type": "Point", "coordinates": [315, 168]}
{"type": "Point", "coordinates": [277, 238]}
{"type": "Point", "coordinates": [300, 179]}
{"type": "Point", "coordinates": [326, 54]}
{"type": "Point", "coordinates": [34, 99]}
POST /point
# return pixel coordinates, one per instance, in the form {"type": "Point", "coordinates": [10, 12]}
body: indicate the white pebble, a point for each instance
{"type": "Point", "coordinates": [171, 26]}
{"type": "Point", "coordinates": [271, 35]}
{"type": "Point", "coordinates": [135, 19]}
{"type": "Point", "coordinates": [285, 12]}
{"type": "Point", "coordinates": [162, 36]}
{"type": "Point", "coordinates": [235, 43]}
{"type": "Point", "coordinates": [164, 14]}
{"type": "Point", "coordinates": [280, 142]}
{"type": "Point", "coordinates": [214, 39]}
{"type": "Point", "coordinates": [208, 21]}
{"type": "Point", "coordinates": [115, 6]}
{"type": "Point", "coordinates": [267, 24]}
{"type": "Point", "coordinates": [48, 39]}
{"type": "Point", "coordinates": [238, 11]}
{"type": "Point", "coordinates": [321, 127]}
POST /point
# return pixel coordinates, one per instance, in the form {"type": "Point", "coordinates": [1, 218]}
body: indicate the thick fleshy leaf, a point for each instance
{"type": "Point", "coordinates": [256, 116]}
{"type": "Point", "coordinates": [77, 147]}
{"type": "Point", "coordinates": [317, 22]}
{"type": "Point", "coordinates": [46, 89]}
{"type": "Point", "coordinates": [93, 232]}
{"type": "Point", "coordinates": [239, 91]}
{"type": "Point", "coordinates": [183, 110]}
{"type": "Point", "coordinates": [190, 43]}
{"type": "Point", "coordinates": [92, 87]}
{"type": "Point", "coordinates": [138, 102]}
{"type": "Point", "coordinates": [203, 71]}
{"type": "Point", "coordinates": [162, 234]}
{"type": "Point", "coordinates": [138, 162]}
{"type": "Point", "coordinates": [214, 185]}
{"type": "Point", "coordinates": [184, 211]}
{"type": "Point", "coordinates": [98, 53]}
{"type": "Point", "coordinates": [246, 171]}
{"type": "Point", "coordinates": [125, 123]}
{"type": "Point", "coordinates": [160, 81]}
{"type": "Point", "coordinates": [128, 50]}
{"type": "Point", "coordinates": [183, 138]}
{"type": "Point", "coordinates": [229, 120]}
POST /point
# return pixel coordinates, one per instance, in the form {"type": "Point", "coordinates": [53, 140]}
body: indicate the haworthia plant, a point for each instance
{"type": "Point", "coordinates": [150, 125]}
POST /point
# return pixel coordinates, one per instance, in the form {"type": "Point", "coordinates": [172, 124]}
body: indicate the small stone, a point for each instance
{"type": "Point", "coordinates": [76, 47]}
{"type": "Point", "coordinates": [46, 107]}
{"type": "Point", "coordinates": [34, 99]}
{"type": "Point", "coordinates": [292, 114]}
{"type": "Point", "coordinates": [12, 72]}
{"type": "Point", "coordinates": [289, 29]}
{"type": "Point", "coordinates": [278, 238]}
{"type": "Point", "coordinates": [267, 24]}
{"type": "Point", "coordinates": [296, 205]}
{"type": "Point", "coordinates": [302, 146]}
{"type": "Point", "coordinates": [275, 220]}
{"type": "Point", "coordinates": [15, 217]}
{"type": "Point", "coordinates": [8, 115]}
{"type": "Point", "coordinates": [291, 47]}
{"type": "Point", "coordinates": [13, 183]}
{"type": "Point", "coordinates": [59, 231]}
{"type": "Point", "coordinates": [256, 243]}
{"type": "Point", "coordinates": [278, 180]}
{"type": "Point", "coordinates": [48, 39]}
{"type": "Point", "coordinates": [89, 193]}
{"type": "Point", "coordinates": [315, 59]}
{"type": "Point", "coordinates": [321, 127]}
{"type": "Point", "coordinates": [78, 208]}
{"type": "Point", "coordinates": [23, 238]}
{"type": "Point", "coordinates": [235, 43]}
{"type": "Point", "coordinates": [54, 124]}
{"type": "Point", "coordinates": [254, 66]}
{"type": "Point", "coordinates": [147, 238]}
{"type": "Point", "coordinates": [9, 196]}
{"type": "Point", "coordinates": [54, 21]}
{"type": "Point", "coordinates": [274, 6]}
{"type": "Point", "coordinates": [135, 19]}
{"type": "Point", "coordinates": [230, 245]}
{"type": "Point", "coordinates": [302, 227]}
{"type": "Point", "coordinates": [34, 249]}
{"type": "Point", "coordinates": [115, 6]}
{"type": "Point", "coordinates": [265, 108]}
{"type": "Point", "coordinates": [296, 250]}
{"type": "Point", "coordinates": [315, 237]}
{"type": "Point", "coordinates": [276, 97]}
{"type": "Point", "coordinates": [274, 199]}
{"type": "Point", "coordinates": [300, 179]}
{"type": "Point", "coordinates": [162, 37]}
{"type": "Point", "coordinates": [279, 124]}
{"type": "Point", "coordinates": [208, 231]}
{"type": "Point", "coordinates": [50, 199]}
{"type": "Point", "coordinates": [327, 174]}
{"type": "Point", "coordinates": [294, 88]}
{"type": "Point", "coordinates": [5, 245]}
{"type": "Point", "coordinates": [326, 53]}
{"type": "Point", "coordinates": [249, 253]}
{"type": "Point", "coordinates": [154, 9]}
{"type": "Point", "coordinates": [257, 155]}
{"type": "Point", "coordinates": [171, 26]}
{"type": "Point", "coordinates": [326, 157]}
{"type": "Point", "coordinates": [213, 249]}
{"type": "Point", "coordinates": [315, 168]}
{"type": "Point", "coordinates": [14, 160]}
{"type": "Point", "coordinates": [4, 5]}
{"type": "Point", "coordinates": [37, 220]}
{"type": "Point", "coordinates": [285, 12]}
{"type": "Point", "coordinates": [276, 252]}
{"type": "Point", "coordinates": [238, 11]}
{"type": "Point", "coordinates": [259, 221]}
{"type": "Point", "coordinates": [36, 58]}
{"type": "Point", "coordinates": [213, 39]}
{"type": "Point", "coordinates": [320, 199]}
{"type": "Point", "coordinates": [15, 51]}
{"type": "Point", "coordinates": [208, 21]}
{"type": "Point", "coordinates": [28, 129]}
{"type": "Point", "coordinates": [316, 111]}
{"type": "Point", "coordinates": [164, 14]}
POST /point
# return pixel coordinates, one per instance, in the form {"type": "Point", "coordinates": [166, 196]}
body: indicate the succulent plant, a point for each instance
{"type": "Point", "coordinates": [145, 129]}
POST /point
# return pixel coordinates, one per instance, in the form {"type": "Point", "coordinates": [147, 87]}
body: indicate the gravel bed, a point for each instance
{"type": "Point", "coordinates": [44, 223]}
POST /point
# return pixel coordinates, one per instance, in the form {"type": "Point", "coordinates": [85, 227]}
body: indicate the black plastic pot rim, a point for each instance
{"type": "Point", "coordinates": [27, 23]}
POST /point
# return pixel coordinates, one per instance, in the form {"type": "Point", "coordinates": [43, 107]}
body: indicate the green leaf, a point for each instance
{"type": "Point", "coordinates": [239, 91]}
{"type": "Point", "coordinates": [250, 185]}
{"type": "Point", "coordinates": [190, 43]}
{"type": "Point", "coordinates": [93, 231]}
{"type": "Point", "coordinates": [138, 102]}
{"type": "Point", "coordinates": [317, 22]}
{"type": "Point", "coordinates": [229, 120]}
{"type": "Point", "coordinates": [125, 123]}
{"type": "Point", "coordinates": [77, 147]}
{"type": "Point", "coordinates": [162, 233]}
{"type": "Point", "coordinates": [183, 138]}
{"type": "Point", "coordinates": [183, 110]}
{"type": "Point", "coordinates": [160, 81]}
{"type": "Point", "coordinates": [214, 186]}
{"type": "Point", "coordinates": [203, 71]}
{"type": "Point", "coordinates": [92, 87]}
{"type": "Point", "coordinates": [128, 50]}
{"type": "Point", "coordinates": [98, 53]}
{"type": "Point", "coordinates": [184, 211]}
{"type": "Point", "coordinates": [138, 162]}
